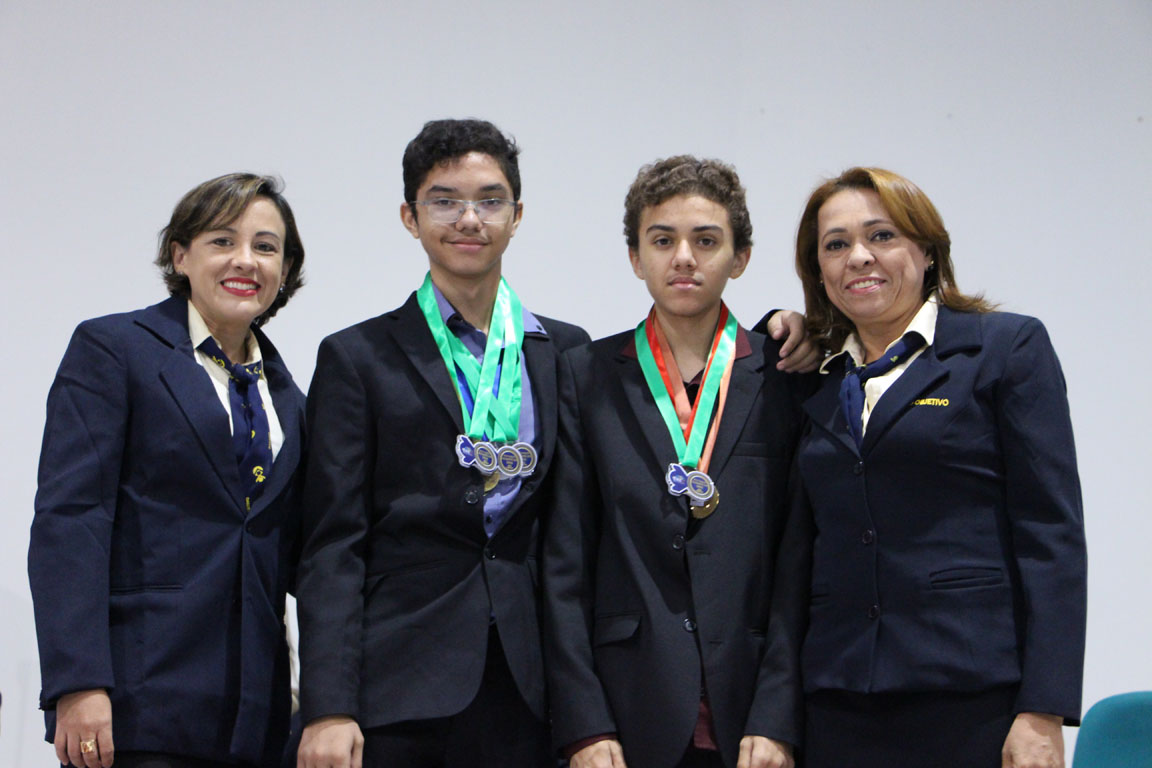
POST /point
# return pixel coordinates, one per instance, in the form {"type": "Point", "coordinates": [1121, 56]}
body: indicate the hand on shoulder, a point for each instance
{"type": "Point", "coordinates": [797, 354]}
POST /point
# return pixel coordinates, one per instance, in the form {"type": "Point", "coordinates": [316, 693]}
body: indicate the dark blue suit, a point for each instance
{"type": "Point", "coordinates": [149, 577]}
{"type": "Point", "coordinates": [645, 606]}
{"type": "Point", "coordinates": [949, 553]}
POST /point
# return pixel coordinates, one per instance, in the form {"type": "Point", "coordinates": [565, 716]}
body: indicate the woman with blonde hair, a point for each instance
{"type": "Point", "coordinates": [947, 607]}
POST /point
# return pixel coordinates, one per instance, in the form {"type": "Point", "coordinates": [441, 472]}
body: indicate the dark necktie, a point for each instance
{"type": "Point", "coordinates": [251, 436]}
{"type": "Point", "coordinates": [852, 387]}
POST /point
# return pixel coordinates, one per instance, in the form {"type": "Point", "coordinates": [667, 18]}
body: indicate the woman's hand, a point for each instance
{"type": "Point", "coordinates": [761, 752]}
{"type": "Point", "coordinates": [1034, 741]}
{"type": "Point", "coordinates": [797, 354]}
{"type": "Point", "coordinates": [84, 718]}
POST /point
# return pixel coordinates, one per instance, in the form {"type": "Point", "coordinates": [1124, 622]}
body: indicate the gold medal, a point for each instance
{"type": "Point", "coordinates": [490, 481]}
{"type": "Point", "coordinates": [708, 507]}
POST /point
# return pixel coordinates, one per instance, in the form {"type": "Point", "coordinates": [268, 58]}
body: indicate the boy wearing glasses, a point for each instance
{"type": "Point", "coordinates": [432, 430]}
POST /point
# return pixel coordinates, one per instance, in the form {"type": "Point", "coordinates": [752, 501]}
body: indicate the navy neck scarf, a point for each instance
{"type": "Point", "coordinates": [852, 387]}
{"type": "Point", "coordinates": [251, 435]}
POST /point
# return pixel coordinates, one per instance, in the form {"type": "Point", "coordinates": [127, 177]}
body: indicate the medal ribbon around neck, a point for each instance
{"type": "Point", "coordinates": [688, 430]}
{"type": "Point", "coordinates": [494, 385]}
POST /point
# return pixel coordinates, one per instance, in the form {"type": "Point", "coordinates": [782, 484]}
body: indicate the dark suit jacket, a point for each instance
{"type": "Point", "coordinates": [149, 577]}
{"type": "Point", "coordinates": [949, 553]}
{"type": "Point", "coordinates": [398, 580]}
{"type": "Point", "coordinates": [638, 598]}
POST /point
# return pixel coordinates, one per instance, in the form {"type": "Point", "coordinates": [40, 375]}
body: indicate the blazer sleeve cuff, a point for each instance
{"type": "Point", "coordinates": [570, 750]}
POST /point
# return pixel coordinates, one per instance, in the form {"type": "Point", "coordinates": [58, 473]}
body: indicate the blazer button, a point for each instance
{"type": "Point", "coordinates": [471, 495]}
{"type": "Point", "coordinates": [868, 536]}
{"type": "Point", "coordinates": [689, 625]}
{"type": "Point", "coordinates": [858, 469]}
{"type": "Point", "coordinates": [488, 553]}
{"type": "Point", "coordinates": [874, 612]}
{"type": "Point", "coordinates": [677, 542]}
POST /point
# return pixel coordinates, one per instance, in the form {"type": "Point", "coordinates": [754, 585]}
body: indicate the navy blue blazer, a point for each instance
{"type": "Point", "coordinates": [398, 580]}
{"type": "Point", "coordinates": [949, 551]}
{"type": "Point", "coordinates": [149, 578]}
{"type": "Point", "coordinates": [644, 607]}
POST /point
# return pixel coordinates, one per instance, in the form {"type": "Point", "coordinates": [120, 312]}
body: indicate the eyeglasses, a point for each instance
{"type": "Point", "coordinates": [446, 210]}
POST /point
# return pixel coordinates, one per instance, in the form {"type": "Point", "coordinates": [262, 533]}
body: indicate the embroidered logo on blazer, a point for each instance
{"type": "Point", "coordinates": [941, 401]}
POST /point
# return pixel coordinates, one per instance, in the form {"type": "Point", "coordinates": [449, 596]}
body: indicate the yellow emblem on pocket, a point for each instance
{"type": "Point", "coordinates": [941, 401]}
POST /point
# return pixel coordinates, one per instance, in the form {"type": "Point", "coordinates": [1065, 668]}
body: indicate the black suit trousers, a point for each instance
{"type": "Point", "coordinates": [907, 730]}
{"type": "Point", "coordinates": [496, 730]}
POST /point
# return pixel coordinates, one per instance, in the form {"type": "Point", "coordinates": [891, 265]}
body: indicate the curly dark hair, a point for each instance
{"type": "Point", "coordinates": [688, 175]}
{"type": "Point", "coordinates": [441, 141]}
{"type": "Point", "coordinates": [216, 203]}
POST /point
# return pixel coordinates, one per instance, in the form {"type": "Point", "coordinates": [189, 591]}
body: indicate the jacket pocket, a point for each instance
{"type": "Point", "coordinates": [135, 589]}
{"type": "Point", "coordinates": [750, 448]}
{"type": "Point", "coordinates": [614, 628]}
{"type": "Point", "coordinates": [400, 570]}
{"type": "Point", "coordinates": [961, 578]}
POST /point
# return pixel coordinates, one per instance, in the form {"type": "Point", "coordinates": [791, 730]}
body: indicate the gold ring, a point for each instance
{"type": "Point", "coordinates": [88, 746]}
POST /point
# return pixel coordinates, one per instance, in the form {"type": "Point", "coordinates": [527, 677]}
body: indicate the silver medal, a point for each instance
{"type": "Point", "coordinates": [508, 461]}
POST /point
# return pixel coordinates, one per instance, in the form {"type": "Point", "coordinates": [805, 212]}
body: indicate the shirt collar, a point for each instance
{"type": "Point", "coordinates": [452, 317]}
{"type": "Point", "coordinates": [923, 323]}
{"type": "Point", "coordinates": [198, 331]}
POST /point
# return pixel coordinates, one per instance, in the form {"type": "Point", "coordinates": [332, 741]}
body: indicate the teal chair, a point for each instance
{"type": "Point", "coordinates": [1116, 733]}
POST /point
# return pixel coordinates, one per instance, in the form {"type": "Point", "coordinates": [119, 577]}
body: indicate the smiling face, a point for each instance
{"type": "Point", "coordinates": [234, 270]}
{"type": "Point", "coordinates": [685, 256]}
{"type": "Point", "coordinates": [468, 249]}
{"type": "Point", "coordinates": [871, 270]}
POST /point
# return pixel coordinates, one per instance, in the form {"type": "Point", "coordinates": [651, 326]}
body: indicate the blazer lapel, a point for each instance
{"type": "Point", "coordinates": [540, 360]}
{"type": "Point", "coordinates": [824, 410]}
{"type": "Point", "coordinates": [415, 340]}
{"type": "Point", "coordinates": [192, 390]}
{"type": "Point", "coordinates": [643, 406]}
{"type": "Point", "coordinates": [288, 411]}
{"type": "Point", "coordinates": [954, 332]}
{"type": "Point", "coordinates": [924, 372]}
{"type": "Point", "coordinates": [743, 388]}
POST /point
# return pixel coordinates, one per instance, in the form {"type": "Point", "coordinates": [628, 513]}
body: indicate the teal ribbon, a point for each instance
{"type": "Point", "coordinates": [494, 413]}
{"type": "Point", "coordinates": [724, 347]}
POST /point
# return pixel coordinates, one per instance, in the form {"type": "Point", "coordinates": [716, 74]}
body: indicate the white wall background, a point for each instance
{"type": "Point", "coordinates": [1028, 123]}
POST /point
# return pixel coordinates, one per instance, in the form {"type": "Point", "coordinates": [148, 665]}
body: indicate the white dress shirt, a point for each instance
{"type": "Point", "coordinates": [924, 323]}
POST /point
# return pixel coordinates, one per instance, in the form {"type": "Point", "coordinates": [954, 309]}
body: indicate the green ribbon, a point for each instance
{"type": "Point", "coordinates": [688, 453]}
{"type": "Point", "coordinates": [496, 415]}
